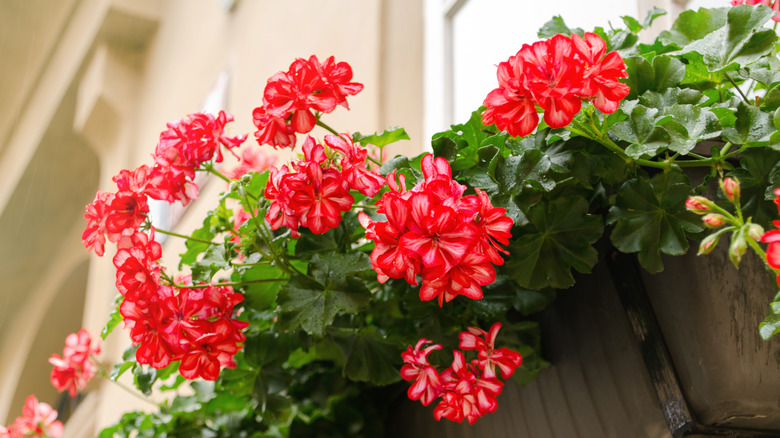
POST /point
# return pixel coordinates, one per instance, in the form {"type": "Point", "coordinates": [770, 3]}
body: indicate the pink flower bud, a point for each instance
{"type": "Point", "coordinates": [713, 220]}
{"type": "Point", "coordinates": [730, 187]}
{"type": "Point", "coordinates": [737, 248]}
{"type": "Point", "coordinates": [755, 231]}
{"type": "Point", "coordinates": [708, 244]}
{"type": "Point", "coordinates": [698, 204]}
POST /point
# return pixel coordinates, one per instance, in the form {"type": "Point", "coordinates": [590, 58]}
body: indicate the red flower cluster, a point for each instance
{"type": "Point", "coordinates": [38, 420]}
{"type": "Point", "coordinates": [252, 160]}
{"type": "Point", "coordinates": [315, 192]}
{"type": "Point", "coordinates": [467, 390]}
{"type": "Point", "coordinates": [772, 237]}
{"type": "Point", "coordinates": [434, 231]}
{"type": "Point", "coordinates": [77, 365]}
{"type": "Point", "coordinates": [193, 325]}
{"type": "Point", "coordinates": [774, 4]}
{"type": "Point", "coordinates": [557, 74]}
{"type": "Point", "coordinates": [184, 146]}
{"type": "Point", "coordinates": [290, 97]}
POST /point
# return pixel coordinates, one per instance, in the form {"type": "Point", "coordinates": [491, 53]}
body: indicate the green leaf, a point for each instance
{"type": "Point", "coordinates": [370, 358]}
{"type": "Point", "coordinates": [194, 248]}
{"type": "Point", "coordinates": [650, 218]}
{"type": "Point", "coordinates": [144, 378]}
{"type": "Point", "coordinates": [529, 302]}
{"type": "Point", "coordinates": [262, 296]}
{"type": "Point", "coordinates": [632, 23]}
{"type": "Point", "coordinates": [640, 130]}
{"type": "Point", "coordinates": [332, 269]}
{"type": "Point", "coordinates": [641, 76]}
{"type": "Point", "coordinates": [114, 319]}
{"type": "Point", "coordinates": [119, 368]}
{"type": "Point", "coordinates": [307, 304]}
{"type": "Point", "coordinates": [559, 240]}
{"type": "Point", "coordinates": [694, 25]}
{"type": "Point", "coordinates": [668, 72]}
{"type": "Point", "coordinates": [770, 326]}
{"type": "Point", "coordinates": [771, 100]}
{"type": "Point", "coordinates": [554, 27]}
{"type": "Point", "coordinates": [652, 14]}
{"type": "Point", "coordinates": [689, 125]}
{"type": "Point", "coordinates": [390, 135]}
{"type": "Point", "coordinates": [752, 126]}
{"type": "Point", "coordinates": [216, 257]}
{"type": "Point", "coordinates": [740, 42]}
{"type": "Point", "coordinates": [671, 96]}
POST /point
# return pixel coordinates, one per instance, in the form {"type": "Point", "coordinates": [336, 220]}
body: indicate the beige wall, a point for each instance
{"type": "Point", "coordinates": [101, 80]}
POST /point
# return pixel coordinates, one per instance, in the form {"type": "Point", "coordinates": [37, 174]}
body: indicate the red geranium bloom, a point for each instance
{"type": "Point", "coordinates": [427, 385]}
{"type": "Point", "coordinates": [465, 394]}
{"type": "Point", "coordinates": [321, 203]}
{"type": "Point", "coordinates": [272, 129]}
{"type": "Point", "coordinates": [193, 140]}
{"type": "Point", "coordinates": [489, 357]}
{"type": "Point", "coordinates": [94, 236]}
{"type": "Point", "coordinates": [553, 75]}
{"type": "Point", "coordinates": [353, 165]}
{"type": "Point", "coordinates": [338, 76]}
{"type": "Point", "coordinates": [165, 184]}
{"type": "Point", "coordinates": [76, 367]}
{"type": "Point", "coordinates": [511, 106]}
{"type": "Point", "coordinates": [600, 77]}
{"type": "Point", "coordinates": [465, 278]}
{"type": "Point", "coordinates": [252, 160]}
{"type": "Point", "coordinates": [37, 420]}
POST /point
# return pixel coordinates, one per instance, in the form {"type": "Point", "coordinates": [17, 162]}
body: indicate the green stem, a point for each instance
{"type": "Point", "coordinates": [757, 248]}
{"type": "Point", "coordinates": [322, 124]}
{"type": "Point", "coordinates": [210, 168]}
{"type": "Point", "coordinates": [194, 239]}
{"type": "Point", "coordinates": [103, 373]}
{"type": "Point", "coordinates": [241, 265]}
{"type": "Point", "coordinates": [744, 98]}
{"type": "Point", "coordinates": [233, 283]}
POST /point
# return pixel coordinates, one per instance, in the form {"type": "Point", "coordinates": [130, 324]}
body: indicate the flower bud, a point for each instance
{"type": "Point", "coordinates": [234, 185]}
{"type": "Point", "coordinates": [708, 244]}
{"type": "Point", "coordinates": [698, 204]}
{"type": "Point", "coordinates": [737, 248]}
{"type": "Point", "coordinates": [730, 187]}
{"type": "Point", "coordinates": [713, 220]}
{"type": "Point", "coordinates": [755, 231]}
{"type": "Point", "coordinates": [245, 179]}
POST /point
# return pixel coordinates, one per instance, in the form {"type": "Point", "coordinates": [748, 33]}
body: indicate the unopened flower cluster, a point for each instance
{"type": "Point", "coordinates": [467, 390]}
{"type": "Point", "coordinates": [557, 74]}
{"type": "Point", "coordinates": [433, 230]}
{"type": "Point", "coordinates": [194, 325]}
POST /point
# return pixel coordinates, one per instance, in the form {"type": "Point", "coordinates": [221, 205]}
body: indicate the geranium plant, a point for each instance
{"type": "Point", "coordinates": [319, 286]}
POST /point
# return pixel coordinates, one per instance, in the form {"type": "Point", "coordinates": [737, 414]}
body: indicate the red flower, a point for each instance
{"type": "Point", "coordinates": [600, 78]}
{"type": "Point", "coordinates": [138, 273]}
{"type": "Point", "coordinates": [272, 129]}
{"type": "Point", "coordinates": [252, 160]}
{"type": "Point", "coordinates": [511, 106]}
{"type": "Point", "coordinates": [94, 236]}
{"type": "Point", "coordinates": [337, 76]}
{"type": "Point", "coordinates": [553, 75]}
{"type": "Point", "coordinates": [76, 367]}
{"type": "Point", "coordinates": [466, 395]}
{"type": "Point", "coordinates": [353, 165]}
{"type": "Point", "coordinates": [37, 420]}
{"type": "Point", "coordinates": [465, 278]}
{"type": "Point", "coordinates": [427, 384]}
{"type": "Point", "coordinates": [489, 357]}
{"type": "Point", "coordinates": [166, 184]}
{"type": "Point", "coordinates": [194, 140]}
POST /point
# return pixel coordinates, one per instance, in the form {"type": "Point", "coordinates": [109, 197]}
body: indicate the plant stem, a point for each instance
{"type": "Point", "coordinates": [322, 124]}
{"type": "Point", "coordinates": [233, 283]}
{"type": "Point", "coordinates": [753, 244]}
{"type": "Point", "coordinates": [194, 239]}
{"type": "Point", "coordinates": [103, 373]}
{"type": "Point", "coordinates": [210, 168]}
{"type": "Point", "coordinates": [744, 98]}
